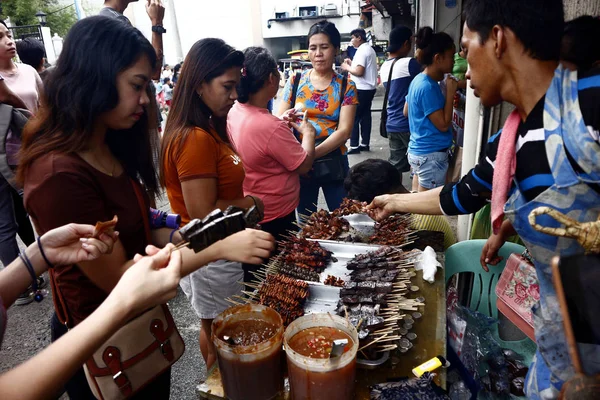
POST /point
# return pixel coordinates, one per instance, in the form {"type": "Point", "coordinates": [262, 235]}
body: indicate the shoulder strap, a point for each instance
{"type": "Point", "coordinates": [5, 117]}
{"type": "Point", "coordinates": [343, 94]}
{"type": "Point", "coordinates": [143, 209]}
{"type": "Point", "coordinates": [295, 89]}
{"type": "Point", "coordinates": [387, 89]}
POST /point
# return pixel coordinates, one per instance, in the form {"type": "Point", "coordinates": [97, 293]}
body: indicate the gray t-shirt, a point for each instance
{"type": "Point", "coordinates": [112, 13]}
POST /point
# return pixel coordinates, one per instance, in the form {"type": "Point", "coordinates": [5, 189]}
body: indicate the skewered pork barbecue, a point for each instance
{"type": "Point", "coordinates": [323, 225]}
{"type": "Point", "coordinates": [334, 281]}
{"type": "Point", "coordinates": [392, 231]}
{"type": "Point", "coordinates": [303, 259]}
{"type": "Point", "coordinates": [349, 207]}
{"type": "Point", "coordinates": [285, 295]}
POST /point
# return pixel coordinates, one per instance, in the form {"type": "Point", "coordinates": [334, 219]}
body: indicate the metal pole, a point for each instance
{"type": "Point", "coordinates": [471, 145]}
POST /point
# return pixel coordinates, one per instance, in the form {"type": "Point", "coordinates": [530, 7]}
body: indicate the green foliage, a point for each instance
{"type": "Point", "coordinates": [22, 12]}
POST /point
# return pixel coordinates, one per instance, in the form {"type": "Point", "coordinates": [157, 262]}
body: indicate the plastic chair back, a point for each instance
{"type": "Point", "coordinates": [464, 257]}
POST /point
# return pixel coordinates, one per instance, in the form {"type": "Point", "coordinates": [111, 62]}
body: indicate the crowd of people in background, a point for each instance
{"type": "Point", "coordinates": [94, 148]}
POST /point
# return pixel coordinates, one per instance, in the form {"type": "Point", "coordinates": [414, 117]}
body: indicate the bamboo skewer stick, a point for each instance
{"type": "Point", "coordinates": [373, 342]}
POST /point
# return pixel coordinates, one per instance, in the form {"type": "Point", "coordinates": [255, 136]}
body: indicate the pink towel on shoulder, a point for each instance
{"type": "Point", "coordinates": [504, 169]}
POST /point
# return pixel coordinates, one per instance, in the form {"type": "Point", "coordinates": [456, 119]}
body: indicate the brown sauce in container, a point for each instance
{"type": "Point", "coordinates": [248, 340]}
{"type": "Point", "coordinates": [247, 332]}
{"type": "Point", "coordinates": [316, 342]}
{"type": "Point", "coordinates": [330, 385]}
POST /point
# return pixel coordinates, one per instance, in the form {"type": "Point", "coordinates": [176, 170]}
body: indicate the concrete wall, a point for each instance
{"type": "Point", "coordinates": [381, 26]}
{"type": "Point", "coordinates": [269, 8]}
{"type": "Point", "coordinates": [577, 8]}
{"type": "Point", "coordinates": [434, 13]}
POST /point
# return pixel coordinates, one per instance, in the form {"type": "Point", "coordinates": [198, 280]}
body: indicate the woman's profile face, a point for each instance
{"type": "Point", "coordinates": [220, 93]}
{"type": "Point", "coordinates": [321, 52]}
{"type": "Point", "coordinates": [7, 44]}
{"type": "Point", "coordinates": [132, 85]}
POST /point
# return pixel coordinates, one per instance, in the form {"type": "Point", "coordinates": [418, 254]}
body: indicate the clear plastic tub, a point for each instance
{"type": "Point", "coordinates": [250, 372]}
{"type": "Point", "coordinates": [321, 379]}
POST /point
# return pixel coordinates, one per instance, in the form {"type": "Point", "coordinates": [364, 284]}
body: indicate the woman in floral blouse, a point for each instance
{"type": "Point", "coordinates": [331, 113]}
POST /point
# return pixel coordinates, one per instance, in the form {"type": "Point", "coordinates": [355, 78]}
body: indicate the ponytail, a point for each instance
{"type": "Point", "coordinates": [259, 64]}
{"type": "Point", "coordinates": [429, 44]}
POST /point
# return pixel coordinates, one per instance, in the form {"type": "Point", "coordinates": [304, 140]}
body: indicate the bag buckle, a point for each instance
{"type": "Point", "coordinates": [122, 382]}
{"type": "Point", "coordinates": [167, 350]}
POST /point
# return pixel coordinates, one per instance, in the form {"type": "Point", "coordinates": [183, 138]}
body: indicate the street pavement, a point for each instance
{"type": "Point", "coordinates": [28, 329]}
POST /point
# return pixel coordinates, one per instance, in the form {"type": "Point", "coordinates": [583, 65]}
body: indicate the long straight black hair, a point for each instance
{"type": "Point", "coordinates": [81, 87]}
{"type": "Point", "coordinates": [206, 60]}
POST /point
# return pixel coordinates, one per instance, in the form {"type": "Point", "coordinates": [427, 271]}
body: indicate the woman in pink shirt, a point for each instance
{"type": "Point", "coordinates": [274, 159]}
{"type": "Point", "coordinates": [20, 78]}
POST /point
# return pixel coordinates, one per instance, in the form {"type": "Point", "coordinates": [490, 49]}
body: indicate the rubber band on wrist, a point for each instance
{"type": "Point", "coordinates": [37, 293]}
{"type": "Point", "coordinates": [39, 243]}
{"type": "Point", "coordinates": [171, 235]}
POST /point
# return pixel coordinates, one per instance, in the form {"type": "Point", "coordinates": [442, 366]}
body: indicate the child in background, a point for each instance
{"type": "Point", "coordinates": [374, 177]}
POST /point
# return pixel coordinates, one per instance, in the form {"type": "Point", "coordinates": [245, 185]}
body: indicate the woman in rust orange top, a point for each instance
{"type": "Point", "coordinates": [201, 171]}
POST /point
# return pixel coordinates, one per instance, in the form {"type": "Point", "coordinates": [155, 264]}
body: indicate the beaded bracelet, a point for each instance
{"type": "Point", "coordinates": [39, 242]}
{"type": "Point", "coordinates": [38, 296]}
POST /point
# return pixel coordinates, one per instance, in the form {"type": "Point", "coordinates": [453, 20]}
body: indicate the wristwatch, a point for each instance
{"type": "Point", "coordinates": [159, 29]}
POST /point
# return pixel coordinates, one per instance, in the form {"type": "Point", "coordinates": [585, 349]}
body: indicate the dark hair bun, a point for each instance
{"type": "Point", "coordinates": [424, 36]}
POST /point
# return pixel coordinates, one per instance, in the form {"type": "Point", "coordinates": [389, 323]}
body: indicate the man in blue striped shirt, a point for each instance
{"type": "Point", "coordinates": [403, 72]}
{"type": "Point", "coordinates": [513, 54]}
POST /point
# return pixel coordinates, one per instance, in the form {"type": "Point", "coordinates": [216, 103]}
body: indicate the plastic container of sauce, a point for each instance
{"type": "Point", "coordinates": [248, 340]}
{"type": "Point", "coordinates": [312, 374]}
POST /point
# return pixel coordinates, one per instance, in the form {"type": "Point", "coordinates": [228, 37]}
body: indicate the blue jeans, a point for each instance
{"type": "Point", "coordinates": [430, 168]}
{"type": "Point", "coordinates": [333, 191]}
{"type": "Point", "coordinates": [13, 220]}
{"type": "Point", "coordinates": [363, 119]}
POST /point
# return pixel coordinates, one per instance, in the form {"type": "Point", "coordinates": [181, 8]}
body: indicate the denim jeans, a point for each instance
{"type": "Point", "coordinates": [9, 250]}
{"type": "Point", "coordinates": [363, 120]}
{"type": "Point", "coordinates": [398, 150]}
{"type": "Point", "coordinates": [333, 191]}
{"type": "Point", "coordinates": [430, 168]}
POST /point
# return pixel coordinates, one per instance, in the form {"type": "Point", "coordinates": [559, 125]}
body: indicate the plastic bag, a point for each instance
{"type": "Point", "coordinates": [429, 264]}
{"type": "Point", "coordinates": [499, 372]}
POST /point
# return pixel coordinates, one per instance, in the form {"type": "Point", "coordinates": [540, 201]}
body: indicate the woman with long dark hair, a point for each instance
{"type": "Point", "coordinates": [202, 172]}
{"type": "Point", "coordinates": [330, 111]}
{"type": "Point", "coordinates": [273, 158]}
{"type": "Point", "coordinates": [429, 111]}
{"type": "Point", "coordinates": [87, 155]}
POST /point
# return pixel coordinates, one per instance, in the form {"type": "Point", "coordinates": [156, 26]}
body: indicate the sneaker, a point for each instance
{"type": "Point", "coordinates": [42, 283]}
{"type": "Point", "coordinates": [364, 147]}
{"type": "Point", "coordinates": [354, 150]}
{"type": "Point", "coordinates": [24, 298]}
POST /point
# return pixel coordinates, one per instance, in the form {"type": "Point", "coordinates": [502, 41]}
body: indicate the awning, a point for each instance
{"type": "Point", "coordinates": [392, 7]}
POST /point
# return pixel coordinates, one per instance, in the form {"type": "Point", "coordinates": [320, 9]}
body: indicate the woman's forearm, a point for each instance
{"type": "Point", "coordinates": [448, 108]}
{"type": "Point", "coordinates": [15, 278]}
{"type": "Point", "coordinates": [242, 202]}
{"type": "Point", "coordinates": [334, 141]}
{"type": "Point", "coordinates": [43, 376]}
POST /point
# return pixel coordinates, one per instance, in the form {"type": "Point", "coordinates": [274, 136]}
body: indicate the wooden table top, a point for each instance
{"type": "Point", "coordinates": [430, 342]}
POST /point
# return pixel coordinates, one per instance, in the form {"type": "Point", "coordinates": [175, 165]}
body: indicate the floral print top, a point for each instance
{"type": "Point", "coordinates": [322, 106]}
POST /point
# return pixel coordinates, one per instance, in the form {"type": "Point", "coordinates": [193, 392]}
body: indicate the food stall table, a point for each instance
{"type": "Point", "coordinates": [430, 342]}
